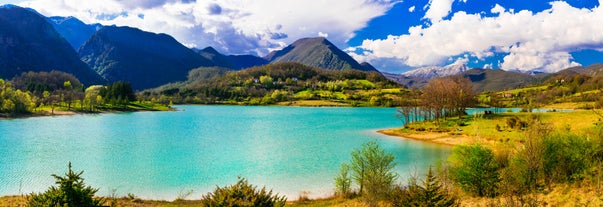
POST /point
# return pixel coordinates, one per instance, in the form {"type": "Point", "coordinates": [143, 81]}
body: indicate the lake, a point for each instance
{"type": "Point", "coordinates": [156, 155]}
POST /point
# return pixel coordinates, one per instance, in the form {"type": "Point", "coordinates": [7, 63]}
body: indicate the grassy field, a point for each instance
{"type": "Point", "coordinates": [494, 129]}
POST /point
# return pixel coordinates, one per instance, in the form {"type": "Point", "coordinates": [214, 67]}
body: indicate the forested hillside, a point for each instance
{"type": "Point", "coordinates": [281, 82]}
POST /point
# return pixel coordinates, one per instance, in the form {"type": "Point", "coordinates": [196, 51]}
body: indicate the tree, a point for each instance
{"type": "Point", "coordinates": [68, 93]}
{"type": "Point", "coordinates": [242, 194]}
{"type": "Point", "coordinates": [461, 95]}
{"type": "Point", "coordinates": [70, 191]}
{"type": "Point", "coordinates": [343, 182]}
{"type": "Point", "coordinates": [92, 96]}
{"type": "Point", "coordinates": [372, 169]}
{"type": "Point", "coordinates": [430, 193]}
{"type": "Point", "coordinates": [118, 93]}
{"type": "Point", "coordinates": [473, 168]}
{"type": "Point", "coordinates": [14, 101]}
{"type": "Point", "coordinates": [444, 97]}
{"type": "Point", "coordinates": [433, 193]}
{"type": "Point", "coordinates": [266, 80]}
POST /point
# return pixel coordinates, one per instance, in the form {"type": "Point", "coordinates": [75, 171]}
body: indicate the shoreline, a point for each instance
{"type": "Point", "coordinates": [46, 113]}
{"type": "Point", "coordinates": [41, 114]}
{"type": "Point", "coordinates": [428, 137]}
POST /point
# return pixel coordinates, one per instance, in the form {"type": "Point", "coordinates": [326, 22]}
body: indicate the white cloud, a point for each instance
{"type": "Point", "coordinates": [321, 34]}
{"type": "Point", "coordinates": [497, 9]}
{"type": "Point", "coordinates": [438, 9]}
{"type": "Point", "coordinates": [411, 9]}
{"type": "Point", "coordinates": [232, 26]}
{"type": "Point", "coordinates": [533, 41]}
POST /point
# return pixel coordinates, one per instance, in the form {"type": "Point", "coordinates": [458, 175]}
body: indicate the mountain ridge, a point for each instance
{"type": "Point", "coordinates": [28, 42]}
{"type": "Point", "coordinates": [73, 30]}
{"type": "Point", "coordinates": [437, 71]}
{"type": "Point", "coordinates": [315, 52]}
{"type": "Point", "coordinates": [235, 62]}
{"type": "Point", "coordinates": [142, 58]}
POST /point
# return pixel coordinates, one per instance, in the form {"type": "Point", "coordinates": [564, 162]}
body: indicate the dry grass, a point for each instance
{"type": "Point", "coordinates": [19, 201]}
{"type": "Point", "coordinates": [559, 196]}
{"type": "Point", "coordinates": [312, 103]}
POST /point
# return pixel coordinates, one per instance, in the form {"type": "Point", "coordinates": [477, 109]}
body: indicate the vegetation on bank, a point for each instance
{"type": "Point", "coordinates": [514, 159]}
{"type": "Point", "coordinates": [41, 93]}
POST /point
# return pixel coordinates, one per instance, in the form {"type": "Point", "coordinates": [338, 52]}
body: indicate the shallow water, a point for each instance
{"type": "Point", "coordinates": [158, 154]}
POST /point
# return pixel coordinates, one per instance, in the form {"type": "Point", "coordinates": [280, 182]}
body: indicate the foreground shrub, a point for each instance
{"type": "Point", "coordinates": [70, 192]}
{"type": "Point", "coordinates": [373, 171]}
{"type": "Point", "coordinates": [343, 182]}
{"type": "Point", "coordinates": [475, 170]}
{"type": "Point", "coordinates": [242, 194]}
{"type": "Point", "coordinates": [430, 193]}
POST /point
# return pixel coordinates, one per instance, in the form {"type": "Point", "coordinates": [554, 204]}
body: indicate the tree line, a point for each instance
{"type": "Point", "coordinates": [33, 91]}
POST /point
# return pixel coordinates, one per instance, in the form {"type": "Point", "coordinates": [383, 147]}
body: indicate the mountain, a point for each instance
{"type": "Point", "coordinates": [367, 66]}
{"type": "Point", "coordinates": [235, 62]}
{"type": "Point", "coordinates": [29, 43]}
{"type": "Point", "coordinates": [437, 71]}
{"type": "Point", "coordinates": [215, 57]}
{"type": "Point", "coordinates": [73, 30]}
{"type": "Point", "coordinates": [246, 61]}
{"type": "Point", "coordinates": [144, 59]}
{"type": "Point", "coordinates": [591, 70]}
{"type": "Point", "coordinates": [497, 80]}
{"type": "Point", "coordinates": [315, 52]}
{"type": "Point", "coordinates": [408, 82]}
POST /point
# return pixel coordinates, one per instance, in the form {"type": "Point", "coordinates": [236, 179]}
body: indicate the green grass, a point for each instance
{"type": "Point", "coordinates": [485, 126]}
{"type": "Point", "coordinates": [533, 88]}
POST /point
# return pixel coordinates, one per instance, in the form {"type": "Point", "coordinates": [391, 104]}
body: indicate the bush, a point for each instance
{"type": "Point", "coordinates": [475, 169]}
{"type": "Point", "coordinates": [70, 192]}
{"type": "Point", "coordinates": [343, 182]}
{"type": "Point", "coordinates": [372, 169]}
{"type": "Point", "coordinates": [566, 157]}
{"type": "Point", "coordinates": [242, 194]}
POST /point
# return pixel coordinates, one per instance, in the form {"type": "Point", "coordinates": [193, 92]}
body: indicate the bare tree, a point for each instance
{"type": "Point", "coordinates": [444, 97]}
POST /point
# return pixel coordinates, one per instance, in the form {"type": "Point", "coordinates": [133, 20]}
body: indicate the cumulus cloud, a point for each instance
{"type": "Point", "coordinates": [231, 26]}
{"type": "Point", "coordinates": [532, 41]}
{"type": "Point", "coordinates": [438, 9]}
{"type": "Point", "coordinates": [411, 9]}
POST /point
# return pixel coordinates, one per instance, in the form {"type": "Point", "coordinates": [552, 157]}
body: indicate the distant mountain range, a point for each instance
{"type": "Point", "coordinates": [437, 71]}
{"type": "Point", "coordinates": [497, 80]}
{"type": "Point", "coordinates": [98, 54]}
{"type": "Point", "coordinates": [482, 79]}
{"type": "Point", "coordinates": [236, 62]}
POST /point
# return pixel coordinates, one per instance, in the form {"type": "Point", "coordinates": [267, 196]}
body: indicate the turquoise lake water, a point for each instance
{"type": "Point", "coordinates": [158, 154]}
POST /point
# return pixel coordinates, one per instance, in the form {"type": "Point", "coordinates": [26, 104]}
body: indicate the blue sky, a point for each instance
{"type": "Point", "coordinates": [393, 35]}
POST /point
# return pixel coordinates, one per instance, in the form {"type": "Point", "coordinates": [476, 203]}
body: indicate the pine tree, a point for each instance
{"type": "Point", "coordinates": [70, 192]}
{"type": "Point", "coordinates": [430, 194]}
{"type": "Point", "coordinates": [433, 194]}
